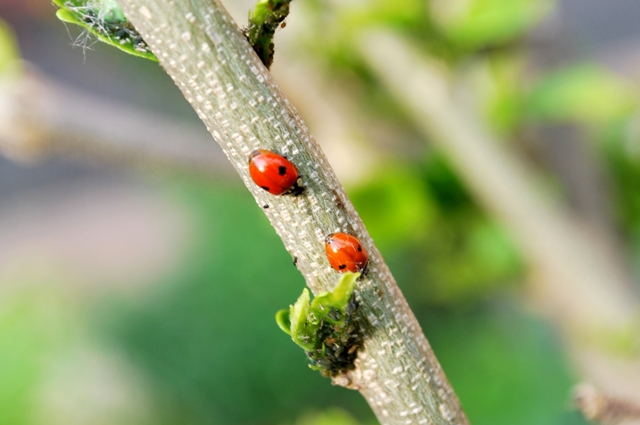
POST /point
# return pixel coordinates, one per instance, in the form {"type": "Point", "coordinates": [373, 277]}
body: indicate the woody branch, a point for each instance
{"type": "Point", "coordinates": [209, 59]}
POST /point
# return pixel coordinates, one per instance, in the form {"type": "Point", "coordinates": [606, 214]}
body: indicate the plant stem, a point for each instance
{"type": "Point", "coordinates": [263, 23]}
{"type": "Point", "coordinates": [210, 60]}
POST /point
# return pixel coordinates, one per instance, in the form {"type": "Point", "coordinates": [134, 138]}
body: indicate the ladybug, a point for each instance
{"type": "Point", "coordinates": [274, 173]}
{"type": "Point", "coordinates": [345, 253]}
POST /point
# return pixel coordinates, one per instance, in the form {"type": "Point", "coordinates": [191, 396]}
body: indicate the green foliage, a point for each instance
{"type": "Point", "coordinates": [582, 93]}
{"type": "Point", "coordinates": [9, 54]}
{"type": "Point", "coordinates": [437, 241]}
{"type": "Point", "coordinates": [339, 28]}
{"type": "Point", "coordinates": [618, 143]}
{"type": "Point", "coordinates": [463, 260]}
{"type": "Point", "coordinates": [327, 417]}
{"type": "Point", "coordinates": [105, 20]}
{"type": "Point", "coordinates": [396, 205]}
{"type": "Point", "coordinates": [19, 364]}
{"type": "Point", "coordinates": [501, 90]}
{"type": "Point", "coordinates": [444, 185]}
{"type": "Point", "coordinates": [466, 255]}
{"type": "Point", "coordinates": [263, 23]}
{"type": "Point", "coordinates": [472, 24]}
{"type": "Point", "coordinates": [507, 368]}
{"type": "Point", "coordinates": [400, 14]}
{"type": "Point", "coordinates": [33, 327]}
{"type": "Point", "coordinates": [325, 328]}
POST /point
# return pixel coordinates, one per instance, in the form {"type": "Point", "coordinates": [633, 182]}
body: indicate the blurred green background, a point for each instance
{"type": "Point", "coordinates": [137, 297]}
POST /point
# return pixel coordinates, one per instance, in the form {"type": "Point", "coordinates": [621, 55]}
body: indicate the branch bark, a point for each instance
{"type": "Point", "coordinates": [204, 52]}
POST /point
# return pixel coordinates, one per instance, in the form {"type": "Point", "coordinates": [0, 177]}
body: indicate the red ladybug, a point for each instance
{"type": "Point", "coordinates": [274, 173]}
{"type": "Point", "coordinates": [345, 253]}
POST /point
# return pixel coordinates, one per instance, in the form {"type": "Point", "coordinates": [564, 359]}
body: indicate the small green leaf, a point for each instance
{"type": "Point", "coordinates": [284, 322]}
{"type": "Point", "coordinates": [299, 311]}
{"type": "Point", "coordinates": [302, 331]}
{"type": "Point", "coordinates": [105, 20]}
{"type": "Point", "coordinates": [338, 299]}
{"type": "Point", "coordinates": [66, 16]}
{"type": "Point", "coordinates": [342, 292]}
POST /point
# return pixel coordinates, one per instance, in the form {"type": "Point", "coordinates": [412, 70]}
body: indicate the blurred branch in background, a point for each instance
{"type": "Point", "coordinates": [579, 284]}
{"type": "Point", "coordinates": [599, 407]}
{"type": "Point", "coordinates": [41, 118]}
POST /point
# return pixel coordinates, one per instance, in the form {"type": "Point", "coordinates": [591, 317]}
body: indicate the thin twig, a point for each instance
{"type": "Point", "coordinates": [264, 20]}
{"type": "Point", "coordinates": [210, 60]}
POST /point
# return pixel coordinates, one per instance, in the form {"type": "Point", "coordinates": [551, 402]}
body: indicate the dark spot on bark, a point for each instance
{"type": "Point", "coordinates": [265, 206]}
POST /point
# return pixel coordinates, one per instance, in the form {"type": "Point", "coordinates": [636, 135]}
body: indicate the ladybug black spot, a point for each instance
{"type": "Point", "coordinates": [359, 248]}
{"type": "Point", "coordinates": [282, 170]}
{"type": "Point", "coordinates": [265, 188]}
{"type": "Point", "coordinates": [342, 266]}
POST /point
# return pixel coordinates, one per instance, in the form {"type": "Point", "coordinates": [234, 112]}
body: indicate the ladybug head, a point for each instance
{"type": "Point", "coordinates": [254, 154]}
{"type": "Point", "coordinates": [328, 238]}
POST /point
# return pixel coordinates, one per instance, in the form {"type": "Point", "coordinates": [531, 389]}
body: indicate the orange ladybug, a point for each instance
{"type": "Point", "coordinates": [345, 253]}
{"type": "Point", "coordinates": [274, 173]}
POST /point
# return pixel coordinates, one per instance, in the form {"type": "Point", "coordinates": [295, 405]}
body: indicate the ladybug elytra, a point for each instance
{"type": "Point", "coordinates": [346, 253]}
{"type": "Point", "coordinates": [274, 173]}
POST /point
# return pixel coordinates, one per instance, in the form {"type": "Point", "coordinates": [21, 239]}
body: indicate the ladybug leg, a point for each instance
{"type": "Point", "coordinates": [365, 269]}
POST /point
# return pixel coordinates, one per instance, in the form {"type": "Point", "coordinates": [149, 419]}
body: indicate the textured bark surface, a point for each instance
{"type": "Point", "coordinates": [204, 52]}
